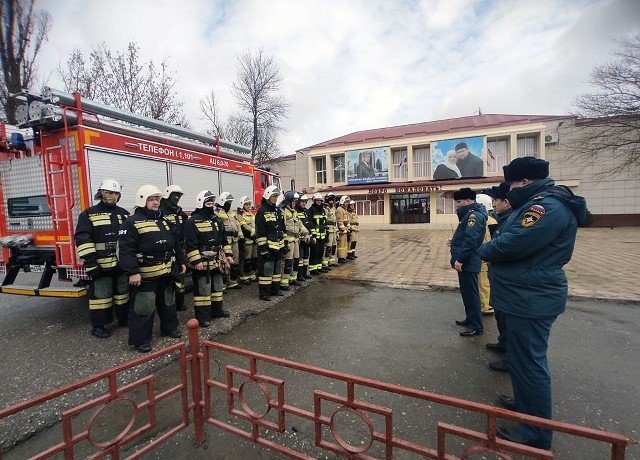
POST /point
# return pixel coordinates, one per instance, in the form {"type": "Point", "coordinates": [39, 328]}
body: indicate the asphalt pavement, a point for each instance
{"type": "Point", "coordinates": [402, 336]}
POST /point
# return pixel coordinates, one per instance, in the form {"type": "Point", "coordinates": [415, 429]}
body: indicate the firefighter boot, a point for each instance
{"type": "Point", "coordinates": [275, 289]}
{"type": "Point", "coordinates": [217, 311]}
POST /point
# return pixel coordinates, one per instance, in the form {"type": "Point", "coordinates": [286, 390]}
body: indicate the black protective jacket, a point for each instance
{"type": "Point", "coordinates": [148, 245]}
{"type": "Point", "coordinates": [318, 217]}
{"type": "Point", "coordinates": [176, 216]}
{"type": "Point", "coordinates": [270, 227]}
{"type": "Point", "coordinates": [204, 237]}
{"type": "Point", "coordinates": [96, 236]}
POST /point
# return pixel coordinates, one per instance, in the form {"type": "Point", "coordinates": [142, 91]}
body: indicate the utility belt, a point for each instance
{"type": "Point", "coordinates": [109, 247]}
{"type": "Point", "coordinates": [155, 258]}
{"type": "Point", "coordinates": [210, 252]}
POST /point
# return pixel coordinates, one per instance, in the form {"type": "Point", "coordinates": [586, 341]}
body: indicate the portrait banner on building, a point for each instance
{"type": "Point", "coordinates": [367, 166]}
{"type": "Point", "coordinates": [457, 158]}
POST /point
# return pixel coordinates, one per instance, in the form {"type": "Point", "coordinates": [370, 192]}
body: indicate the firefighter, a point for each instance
{"type": "Point", "coordinates": [294, 232]}
{"type": "Point", "coordinates": [343, 219]}
{"type": "Point", "coordinates": [246, 219]}
{"type": "Point", "coordinates": [330, 250]}
{"type": "Point", "coordinates": [239, 220]}
{"type": "Point", "coordinates": [205, 236]}
{"type": "Point", "coordinates": [318, 220]}
{"type": "Point", "coordinates": [172, 211]}
{"type": "Point", "coordinates": [270, 241]}
{"type": "Point", "coordinates": [223, 211]}
{"type": "Point", "coordinates": [149, 254]}
{"type": "Point", "coordinates": [353, 234]}
{"type": "Point", "coordinates": [305, 238]}
{"type": "Point", "coordinates": [96, 237]}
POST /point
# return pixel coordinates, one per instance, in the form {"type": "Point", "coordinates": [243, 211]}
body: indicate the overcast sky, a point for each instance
{"type": "Point", "coordinates": [350, 65]}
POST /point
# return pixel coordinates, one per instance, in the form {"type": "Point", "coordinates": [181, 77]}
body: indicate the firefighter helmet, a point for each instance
{"type": "Point", "coordinates": [280, 200]}
{"type": "Point", "coordinates": [344, 199]}
{"type": "Point", "coordinates": [485, 200]}
{"type": "Point", "coordinates": [144, 193]}
{"type": "Point", "coordinates": [270, 191]}
{"type": "Point", "coordinates": [330, 197]}
{"type": "Point", "coordinates": [352, 203]}
{"type": "Point", "coordinates": [203, 197]}
{"type": "Point", "coordinates": [304, 197]}
{"type": "Point", "coordinates": [225, 197]}
{"type": "Point", "coordinates": [172, 189]}
{"type": "Point", "coordinates": [290, 197]}
{"type": "Point", "coordinates": [318, 196]}
{"type": "Point", "coordinates": [244, 200]}
{"type": "Point", "coordinates": [111, 185]}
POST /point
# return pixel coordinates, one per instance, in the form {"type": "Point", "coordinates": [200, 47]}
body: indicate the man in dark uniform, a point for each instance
{"type": "Point", "coordinates": [503, 210]}
{"type": "Point", "coordinates": [318, 220]}
{"type": "Point", "coordinates": [305, 243]}
{"type": "Point", "coordinates": [205, 236]}
{"type": "Point", "coordinates": [270, 240]}
{"type": "Point", "coordinates": [530, 285]}
{"type": "Point", "coordinates": [469, 164]}
{"type": "Point", "coordinates": [150, 255]}
{"type": "Point", "coordinates": [172, 211]}
{"type": "Point", "coordinates": [96, 236]}
{"type": "Point", "coordinates": [464, 244]}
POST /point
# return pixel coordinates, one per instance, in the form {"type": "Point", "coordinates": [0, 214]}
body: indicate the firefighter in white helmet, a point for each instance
{"type": "Point", "coordinates": [353, 234]}
{"type": "Point", "coordinates": [270, 241]}
{"type": "Point", "coordinates": [223, 211]}
{"type": "Point", "coordinates": [330, 250]}
{"type": "Point", "coordinates": [96, 237]}
{"type": "Point", "coordinates": [150, 255]}
{"type": "Point", "coordinates": [343, 219]}
{"type": "Point", "coordinates": [207, 251]}
{"type": "Point", "coordinates": [305, 237]}
{"type": "Point", "coordinates": [318, 220]}
{"type": "Point", "coordinates": [172, 211]}
{"type": "Point", "coordinates": [249, 253]}
{"type": "Point", "coordinates": [483, 277]}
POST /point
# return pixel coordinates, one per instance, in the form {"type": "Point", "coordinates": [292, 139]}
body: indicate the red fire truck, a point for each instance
{"type": "Point", "coordinates": [47, 181]}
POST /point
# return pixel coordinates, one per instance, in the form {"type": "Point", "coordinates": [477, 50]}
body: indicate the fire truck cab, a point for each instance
{"type": "Point", "coordinates": [46, 181]}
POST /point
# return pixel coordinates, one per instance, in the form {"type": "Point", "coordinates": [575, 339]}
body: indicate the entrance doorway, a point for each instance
{"type": "Point", "coordinates": [410, 208]}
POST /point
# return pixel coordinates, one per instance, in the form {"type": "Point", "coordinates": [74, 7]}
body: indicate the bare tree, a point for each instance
{"type": "Point", "coordinates": [257, 92]}
{"type": "Point", "coordinates": [607, 129]}
{"type": "Point", "coordinates": [121, 79]}
{"type": "Point", "coordinates": [24, 30]}
{"type": "Point", "coordinates": [209, 107]}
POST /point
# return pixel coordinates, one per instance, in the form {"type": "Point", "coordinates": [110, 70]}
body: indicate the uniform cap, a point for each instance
{"type": "Point", "coordinates": [526, 168]}
{"type": "Point", "coordinates": [464, 193]}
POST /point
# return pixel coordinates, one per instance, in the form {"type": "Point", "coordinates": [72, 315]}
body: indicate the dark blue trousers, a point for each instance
{"type": "Point", "coordinates": [502, 335]}
{"type": "Point", "coordinates": [527, 340]}
{"type": "Point", "coordinates": [471, 299]}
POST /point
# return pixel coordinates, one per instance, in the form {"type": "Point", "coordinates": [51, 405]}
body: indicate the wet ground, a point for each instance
{"type": "Point", "coordinates": [406, 337]}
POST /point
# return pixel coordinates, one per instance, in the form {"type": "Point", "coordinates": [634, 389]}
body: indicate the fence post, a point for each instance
{"type": "Point", "coordinates": [196, 379]}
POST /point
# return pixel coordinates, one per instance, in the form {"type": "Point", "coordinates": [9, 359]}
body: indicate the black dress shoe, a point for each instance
{"type": "Point", "coordinates": [508, 402]}
{"type": "Point", "coordinates": [144, 348]}
{"type": "Point", "coordinates": [100, 332]}
{"type": "Point", "coordinates": [221, 314]}
{"type": "Point", "coordinates": [463, 322]}
{"type": "Point", "coordinates": [502, 365]}
{"type": "Point", "coordinates": [514, 436]}
{"type": "Point", "coordinates": [175, 334]}
{"type": "Point", "coordinates": [497, 347]}
{"type": "Point", "coordinates": [470, 333]}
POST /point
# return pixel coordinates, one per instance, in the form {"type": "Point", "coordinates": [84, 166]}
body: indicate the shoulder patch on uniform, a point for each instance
{"type": "Point", "coordinates": [537, 208]}
{"type": "Point", "coordinates": [530, 218]}
{"type": "Point", "coordinates": [472, 220]}
{"type": "Point", "coordinates": [539, 197]}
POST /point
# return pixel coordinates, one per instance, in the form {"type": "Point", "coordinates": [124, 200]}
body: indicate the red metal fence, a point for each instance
{"type": "Point", "coordinates": [265, 424]}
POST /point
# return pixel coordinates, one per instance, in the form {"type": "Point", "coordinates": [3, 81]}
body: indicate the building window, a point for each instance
{"type": "Point", "coordinates": [446, 204]}
{"type": "Point", "coordinates": [400, 165]}
{"type": "Point", "coordinates": [422, 161]}
{"type": "Point", "coordinates": [321, 170]}
{"type": "Point", "coordinates": [369, 205]}
{"type": "Point", "coordinates": [338, 168]}
{"type": "Point", "coordinates": [497, 154]}
{"type": "Point", "coordinates": [410, 208]}
{"type": "Point", "coordinates": [528, 145]}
